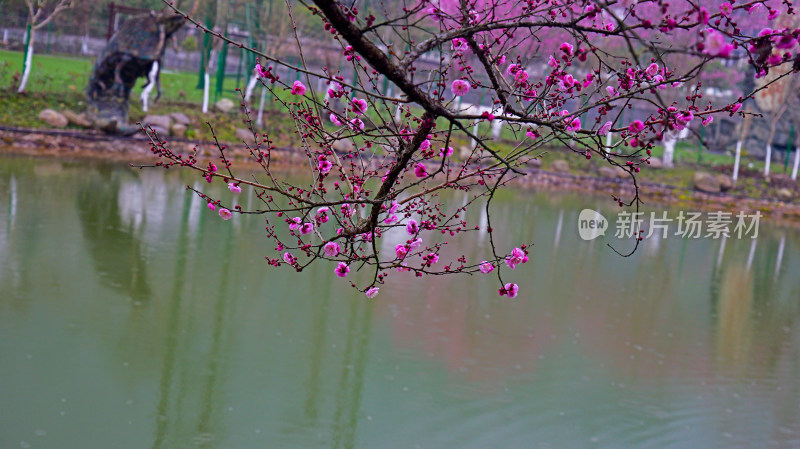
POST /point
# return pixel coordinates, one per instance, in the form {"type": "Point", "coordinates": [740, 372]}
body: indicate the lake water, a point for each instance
{"type": "Point", "coordinates": [132, 317]}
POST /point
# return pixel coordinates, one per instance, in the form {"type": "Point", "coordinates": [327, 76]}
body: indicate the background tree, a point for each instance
{"type": "Point", "coordinates": [40, 13]}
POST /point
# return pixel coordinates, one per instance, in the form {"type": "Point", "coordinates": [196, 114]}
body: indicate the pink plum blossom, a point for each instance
{"type": "Point", "coordinates": [707, 121]}
{"type": "Point", "coordinates": [509, 289]}
{"type": "Point", "coordinates": [425, 145]}
{"type": "Point", "coordinates": [652, 69]}
{"type": "Point", "coordinates": [225, 214]}
{"type": "Point", "coordinates": [234, 188]}
{"type": "Point", "coordinates": [325, 166]}
{"type": "Point", "coordinates": [444, 152]}
{"type": "Point", "coordinates": [412, 227]}
{"type": "Point", "coordinates": [566, 47]}
{"type": "Point", "coordinates": [261, 71]}
{"type": "Point", "coordinates": [212, 206]}
{"type": "Point", "coordinates": [517, 257]}
{"type": "Point", "coordinates": [357, 124]}
{"type": "Point", "coordinates": [298, 88]}
{"type": "Point", "coordinates": [715, 44]}
{"type": "Point", "coordinates": [400, 251]}
{"type": "Point", "coordinates": [459, 88]}
{"type": "Point", "coordinates": [416, 243]}
{"type": "Point", "coordinates": [289, 258]}
{"type": "Point", "coordinates": [726, 9]}
{"type": "Point", "coordinates": [605, 129]}
{"type": "Point", "coordinates": [486, 267]}
{"type": "Point", "coordinates": [331, 249]}
{"type": "Point", "coordinates": [359, 106]}
{"type": "Point", "coordinates": [294, 223]}
{"type": "Point", "coordinates": [636, 126]}
{"type": "Point", "coordinates": [306, 228]}
{"type": "Point", "coordinates": [335, 119]}
{"type": "Point", "coordinates": [574, 124]}
{"type": "Point", "coordinates": [521, 76]}
{"type": "Point", "coordinates": [372, 292]}
{"type": "Point", "coordinates": [736, 108]}
{"type": "Point", "coordinates": [420, 170]}
{"type": "Point", "coordinates": [341, 270]}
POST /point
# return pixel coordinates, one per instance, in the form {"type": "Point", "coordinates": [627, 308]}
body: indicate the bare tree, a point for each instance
{"type": "Point", "coordinates": [40, 13]}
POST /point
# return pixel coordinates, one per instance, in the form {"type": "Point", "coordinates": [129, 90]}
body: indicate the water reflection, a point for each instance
{"type": "Point", "coordinates": [131, 312]}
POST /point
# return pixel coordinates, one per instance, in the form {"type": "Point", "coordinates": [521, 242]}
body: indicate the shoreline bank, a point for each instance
{"type": "Point", "coordinates": [96, 145]}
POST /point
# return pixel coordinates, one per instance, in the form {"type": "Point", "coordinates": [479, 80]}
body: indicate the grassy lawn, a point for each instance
{"type": "Point", "coordinates": [67, 74]}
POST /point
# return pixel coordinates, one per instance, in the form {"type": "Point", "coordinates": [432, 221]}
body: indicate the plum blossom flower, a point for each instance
{"type": "Point", "coordinates": [372, 292]}
{"type": "Point", "coordinates": [566, 47]}
{"type": "Point", "coordinates": [331, 249]}
{"type": "Point", "coordinates": [459, 88]}
{"type": "Point", "coordinates": [636, 126]}
{"type": "Point", "coordinates": [444, 152]}
{"type": "Point", "coordinates": [512, 69]}
{"type": "Point", "coordinates": [322, 215]}
{"type": "Point", "coordinates": [604, 129]}
{"type": "Point", "coordinates": [707, 121]}
{"type": "Point", "coordinates": [294, 223]}
{"type": "Point", "coordinates": [532, 134]}
{"type": "Point", "coordinates": [735, 108]}
{"type": "Point", "coordinates": [261, 71]}
{"type": "Point", "coordinates": [334, 88]}
{"type": "Point", "coordinates": [521, 76]}
{"type": "Point", "coordinates": [651, 70]}
{"type": "Point", "coordinates": [773, 14]}
{"type": "Point", "coordinates": [486, 267]}
{"type": "Point", "coordinates": [298, 88]}
{"type": "Point", "coordinates": [325, 166]}
{"type": "Point", "coordinates": [412, 227]}
{"type": "Point", "coordinates": [212, 206]}
{"type": "Point", "coordinates": [552, 62]}
{"type": "Point", "coordinates": [335, 119]}
{"type": "Point", "coordinates": [509, 289]}
{"type": "Point", "coordinates": [341, 270]}
{"type": "Point", "coordinates": [460, 44]}
{"type": "Point", "coordinates": [715, 44]}
{"type": "Point", "coordinates": [289, 258]}
{"type": "Point", "coordinates": [234, 188]}
{"type": "Point", "coordinates": [416, 243]}
{"type": "Point", "coordinates": [306, 228]}
{"type": "Point", "coordinates": [357, 124]}
{"type": "Point", "coordinates": [431, 258]}
{"type": "Point", "coordinates": [420, 170]}
{"type": "Point", "coordinates": [400, 251]}
{"type": "Point", "coordinates": [392, 218]}
{"type": "Point", "coordinates": [359, 106]}
{"type": "Point", "coordinates": [611, 90]}
{"type": "Point", "coordinates": [574, 124]}
{"type": "Point", "coordinates": [425, 145]}
{"type": "Point", "coordinates": [726, 9]}
{"type": "Point", "coordinates": [517, 257]}
{"type": "Point", "coordinates": [225, 214]}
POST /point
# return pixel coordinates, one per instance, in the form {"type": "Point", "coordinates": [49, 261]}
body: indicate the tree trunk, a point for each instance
{"type": "Point", "coordinates": [28, 63]}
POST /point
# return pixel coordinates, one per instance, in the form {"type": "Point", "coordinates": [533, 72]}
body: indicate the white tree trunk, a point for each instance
{"type": "Point", "coordinates": [736, 160]}
{"type": "Point", "coordinates": [28, 63]}
{"type": "Point", "coordinates": [768, 160]}
{"type": "Point", "coordinates": [669, 152]}
{"type": "Point", "coordinates": [248, 91]}
{"type": "Point", "coordinates": [796, 164]}
{"type": "Point", "coordinates": [497, 128]}
{"type": "Point", "coordinates": [206, 83]}
{"type": "Point", "coordinates": [151, 78]}
{"type": "Point", "coordinates": [609, 140]}
{"type": "Point", "coordinates": [85, 45]}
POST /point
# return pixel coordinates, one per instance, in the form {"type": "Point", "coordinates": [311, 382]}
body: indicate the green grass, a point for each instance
{"type": "Point", "coordinates": [67, 74]}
